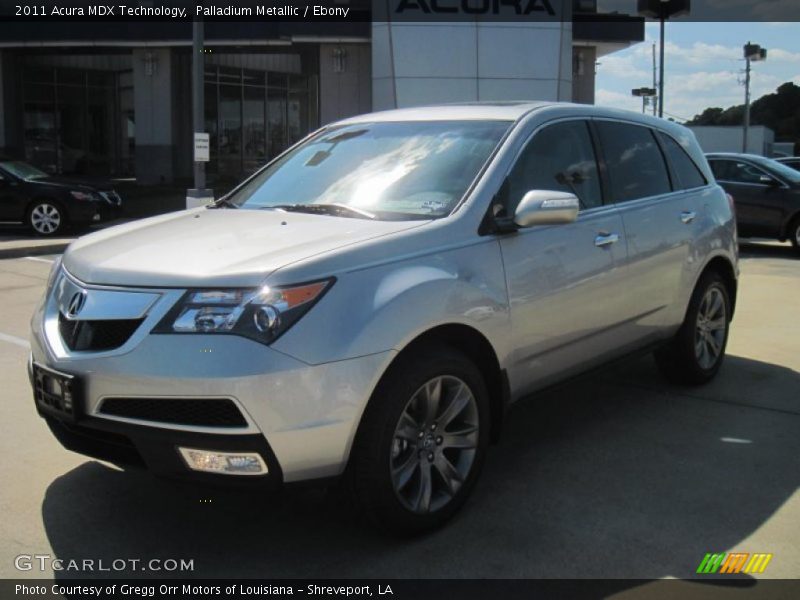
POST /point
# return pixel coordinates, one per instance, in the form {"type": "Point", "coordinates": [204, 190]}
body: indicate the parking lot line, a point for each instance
{"type": "Point", "coordinates": [37, 259]}
{"type": "Point", "coordinates": [17, 341]}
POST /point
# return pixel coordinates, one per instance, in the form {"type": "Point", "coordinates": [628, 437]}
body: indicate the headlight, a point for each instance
{"type": "Point", "coordinates": [261, 314]}
{"type": "Point", "coordinates": [83, 195]}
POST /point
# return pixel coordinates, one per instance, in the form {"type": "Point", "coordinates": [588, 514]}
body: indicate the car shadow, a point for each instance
{"type": "Point", "coordinates": [617, 475]}
{"type": "Point", "coordinates": [759, 249]}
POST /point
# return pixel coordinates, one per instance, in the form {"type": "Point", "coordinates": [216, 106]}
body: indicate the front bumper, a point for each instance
{"type": "Point", "coordinates": [301, 418]}
{"type": "Point", "coordinates": [155, 449]}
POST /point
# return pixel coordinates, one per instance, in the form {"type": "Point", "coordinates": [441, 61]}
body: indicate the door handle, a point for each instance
{"type": "Point", "coordinates": [688, 216]}
{"type": "Point", "coordinates": [606, 239]}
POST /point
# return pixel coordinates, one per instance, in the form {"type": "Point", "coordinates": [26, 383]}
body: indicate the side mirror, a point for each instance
{"type": "Point", "coordinates": [544, 207]}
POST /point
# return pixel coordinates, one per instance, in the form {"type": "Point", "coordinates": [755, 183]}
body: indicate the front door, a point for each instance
{"type": "Point", "coordinates": [757, 195]}
{"type": "Point", "coordinates": [564, 281]}
{"type": "Point", "coordinates": [12, 200]}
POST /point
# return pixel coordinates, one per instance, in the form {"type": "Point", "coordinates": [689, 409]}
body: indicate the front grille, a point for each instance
{"type": "Point", "coordinates": [95, 336]}
{"type": "Point", "coordinates": [205, 412]}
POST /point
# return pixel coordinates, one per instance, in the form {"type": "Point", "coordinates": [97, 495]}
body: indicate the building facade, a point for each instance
{"type": "Point", "coordinates": [114, 100]}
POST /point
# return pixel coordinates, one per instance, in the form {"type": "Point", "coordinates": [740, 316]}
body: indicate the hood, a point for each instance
{"type": "Point", "coordinates": [202, 247]}
{"type": "Point", "coordinates": [69, 183]}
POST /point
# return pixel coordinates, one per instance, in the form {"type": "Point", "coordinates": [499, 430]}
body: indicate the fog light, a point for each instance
{"type": "Point", "coordinates": [224, 463]}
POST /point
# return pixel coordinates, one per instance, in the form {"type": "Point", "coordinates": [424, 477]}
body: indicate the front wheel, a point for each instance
{"type": "Point", "coordinates": [697, 351]}
{"type": "Point", "coordinates": [794, 234]}
{"type": "Point", "coordinates": [46, 218]}
{"type": "Point", "coordinates": [422, 441]}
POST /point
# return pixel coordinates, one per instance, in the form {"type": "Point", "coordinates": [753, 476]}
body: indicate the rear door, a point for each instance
{"type": "Point", "coordinates": [564, 281]}
{"type": "Point", "coordinates": [659, 223]}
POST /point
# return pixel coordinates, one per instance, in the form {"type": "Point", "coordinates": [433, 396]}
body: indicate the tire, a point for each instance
{"type": "Point", "coordinates": [696, 353]}
{"type": "Point", "coordinates": [46, 218]}
{"type": "Point", "coordinates": [404, 445]}
{"type": "Point", "coordinates": [794, 233]}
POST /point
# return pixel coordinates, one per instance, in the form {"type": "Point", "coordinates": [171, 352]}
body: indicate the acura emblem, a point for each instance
{"type": "Point", "coordinates": [76, 304]}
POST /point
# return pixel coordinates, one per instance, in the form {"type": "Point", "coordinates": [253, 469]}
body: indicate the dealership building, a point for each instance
{"type": "Point", "coordinates": [114, 99]}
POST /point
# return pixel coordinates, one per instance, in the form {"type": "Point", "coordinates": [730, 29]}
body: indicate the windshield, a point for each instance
{"type": "Point", "coordinates": [782, 170]}
{"type": "Point", "coordinates": [400, 170]}
{"type": "Point", "coordinates": [22, 170]}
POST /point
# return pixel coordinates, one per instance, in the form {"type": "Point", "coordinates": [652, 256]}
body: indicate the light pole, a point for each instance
{"type": "Point", "coordinates": [199, 195]}
{"type": "Point", "coordinates": [662, 10]}
{"type": "Point", "coordinates": [644, 93]}
{"type": "Point", "coordinates": [752, 52]}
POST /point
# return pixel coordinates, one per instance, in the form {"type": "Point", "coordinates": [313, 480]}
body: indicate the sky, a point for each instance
{"type": "Point", "coordinates": [704, 66]}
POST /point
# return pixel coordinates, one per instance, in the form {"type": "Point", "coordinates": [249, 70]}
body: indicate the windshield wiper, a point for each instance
{"type": "Point", "coordinates": [223, 202]}
{"type": "Point", "coordinates": [324, 209]}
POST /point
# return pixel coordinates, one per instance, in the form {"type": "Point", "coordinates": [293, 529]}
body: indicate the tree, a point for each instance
{"type": "Point", "coordinates": [779, 111]}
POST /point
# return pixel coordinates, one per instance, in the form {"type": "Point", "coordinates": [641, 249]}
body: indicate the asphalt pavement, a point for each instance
{"type": "Point", "coordinates": [616, 475]}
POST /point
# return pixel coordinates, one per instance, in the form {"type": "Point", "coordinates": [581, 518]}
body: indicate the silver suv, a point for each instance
{"type": "Point", "coordinates": [370, 303]}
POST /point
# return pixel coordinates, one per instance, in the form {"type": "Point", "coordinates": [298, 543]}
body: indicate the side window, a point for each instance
{"type": "Point", "coordinates": [719, 168]}
{"type": "Point", "coordinates": [741, 172]}
{"type": "Point", "coordinates": [635, 164]}
{"type": "Point", "coordinates": [689, 175]}
{"type": "Point", "coordinates": [560, 157]}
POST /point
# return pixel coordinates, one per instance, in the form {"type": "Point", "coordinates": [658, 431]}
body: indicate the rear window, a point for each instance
{"type": "Point", "coordinates": [636, 166]}
{"type": "Point", "coordinates": [688, 173]}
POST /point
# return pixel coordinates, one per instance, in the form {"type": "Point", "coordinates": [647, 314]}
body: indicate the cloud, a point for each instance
{"type": "Point", "coordinates": [622, 66]}
{"type": "Point", "coordinates": [613, 99]}
{"type": "Point", "coordinates": [777, 54]}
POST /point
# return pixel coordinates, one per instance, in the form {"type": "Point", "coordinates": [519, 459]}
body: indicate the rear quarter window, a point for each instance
{"type": "Point", "coordinates": [688, 173]}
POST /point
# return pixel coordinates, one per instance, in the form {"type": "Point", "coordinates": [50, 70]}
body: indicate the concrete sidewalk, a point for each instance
{"type": "Point", "coordinates": [19, 246]}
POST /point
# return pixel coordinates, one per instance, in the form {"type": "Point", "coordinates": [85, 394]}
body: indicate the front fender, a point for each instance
{"type": "Point", "coordinates": [384, 307]}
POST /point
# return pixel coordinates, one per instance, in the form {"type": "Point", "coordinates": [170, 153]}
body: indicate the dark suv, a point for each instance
{"type": "Point", "coordinates": [766, 193]}
{"type": "Point", "coordinates": [49, 205]}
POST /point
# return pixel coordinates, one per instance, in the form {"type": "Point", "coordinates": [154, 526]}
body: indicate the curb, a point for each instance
{"type": "Point", "coordinates": [23, 251]}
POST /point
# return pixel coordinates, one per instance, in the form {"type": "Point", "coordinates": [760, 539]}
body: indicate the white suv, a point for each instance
{"type": "Point", "coordinates": [370, 303]}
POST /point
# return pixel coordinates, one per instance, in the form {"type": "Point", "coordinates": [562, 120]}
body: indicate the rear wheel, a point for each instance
{"type": "Point", "coordinates": [422, 442]}
{"type": "Point", "coordinates": [697, 351]}
{"type": "Point", "coordinates": [46, 218]}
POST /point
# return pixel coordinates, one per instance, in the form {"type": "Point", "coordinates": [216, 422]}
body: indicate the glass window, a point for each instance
{"type": "Point", "coordinates": [689, 175]}
{"type": "Point", "coordinates": [40, 128]}
{"type": "Point", "coordinates": [72, 147]}
{"type": "Point", "coordinates": [230, 129]}
{"type": "Point", "coordinates": [22, 170]}
{"type": "Point", "coordinates": [739, 172]}
{"type": "Point", "coordinates": [635, 164]}
{"type": "Point", "coordinates": [276, 116]}
{"type": "Point", "coordinates": [390, 170]}
{"type": "Point", "coordinates": [560, 157]}
{"type": "Point", "coordinates": [255, 135]}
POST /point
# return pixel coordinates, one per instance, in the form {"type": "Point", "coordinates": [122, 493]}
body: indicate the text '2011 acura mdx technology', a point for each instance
{"type": "Point", "coordinates": [369, 303]}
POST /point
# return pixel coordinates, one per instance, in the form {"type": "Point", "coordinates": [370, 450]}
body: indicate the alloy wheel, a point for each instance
{"type": "Point", "coordinates": [434, 444]}
{"type": "Point", "coordinates": [712, 324]}
{"type": "Point", "coordinates": [45, 218]}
